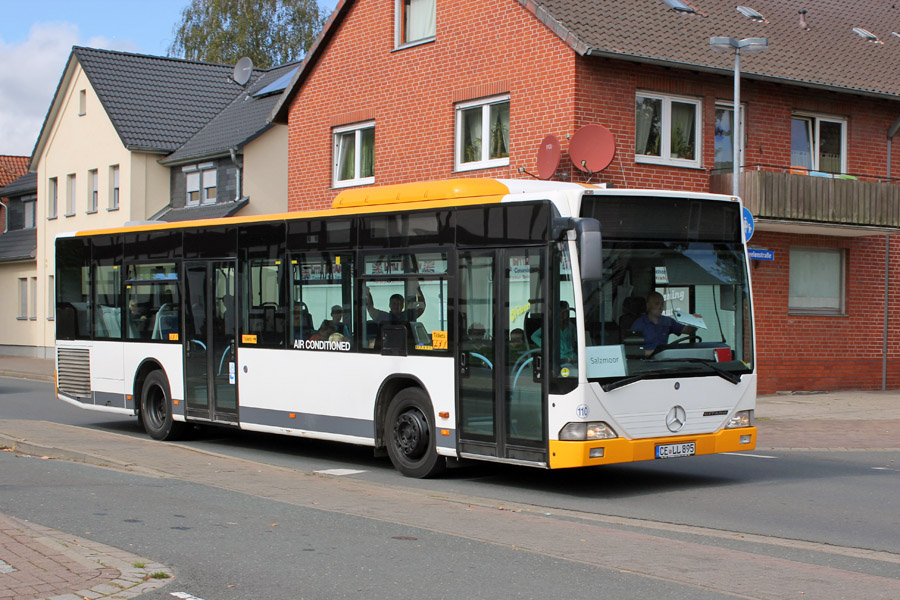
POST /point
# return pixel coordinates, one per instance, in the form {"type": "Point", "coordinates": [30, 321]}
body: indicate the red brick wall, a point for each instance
{"type": "Point", "coordinates": [802, 352]}
{"type": "Point", "coordinates": [481, 48]}
{"type": "Point", "coordinates": [487, 47]}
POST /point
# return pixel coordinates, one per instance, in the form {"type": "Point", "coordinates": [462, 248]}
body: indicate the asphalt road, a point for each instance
{"type": "Point", "coordinates": [796, 502]}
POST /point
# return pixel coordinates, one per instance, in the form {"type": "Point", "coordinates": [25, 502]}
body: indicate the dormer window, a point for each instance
{"type": "Point", "coordinates": [415, 21]}
{"type": "Point", "coordinates": [200, 184]}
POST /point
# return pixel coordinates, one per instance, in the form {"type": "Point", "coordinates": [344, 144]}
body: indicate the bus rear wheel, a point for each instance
{"type": "Point", "coordinates": [410, 435]}
{"type": "Point", "coordinates": [156, 409]}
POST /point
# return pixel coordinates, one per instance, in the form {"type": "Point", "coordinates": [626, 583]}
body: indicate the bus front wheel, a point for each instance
{"type": "Point", "coordinates": [410, 435]}
{"type": "Point", "coordinates": [156, 408]}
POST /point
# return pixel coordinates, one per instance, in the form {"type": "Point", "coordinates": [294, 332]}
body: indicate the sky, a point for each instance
{"type": "Point", "coordinates": [36, 38]}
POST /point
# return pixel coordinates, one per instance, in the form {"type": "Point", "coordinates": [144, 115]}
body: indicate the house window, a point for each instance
{"type": "Point", "coordinates": [29, 206]}
{"type": "Point", "coordinates": [114, 186]}
{"type": "Point", "coordinates": [200, 182]}
{"type": "Point", "coordinates": [71, 195]}
{"type": "Point", "coordinates": [93, 191]}
{"type": "Point", "coordinates": [819, 143]}
{"type": "Point", "coordinates": [354, 154]}
{"type": "Point", "coordinates": [82, 103]}
{"type": "Point", "coordinates": [23, 298]}
{"type": "Point", "coordinates": [817, 278]}
{"type": "Point", "coordinates": [416, 21]}
{"type": "Point", "coordinates": [51, 299]}
{"type": "Point", "coordinates": [52, 197]}
{"type": "Point", "coordinates": [482, 134]}
{"type": "Point", "coordinates": [724, 138]}
{"type": "Point", "coordinates": [667, 130]}
{"type": "Point", "coordinates": [32, 312]}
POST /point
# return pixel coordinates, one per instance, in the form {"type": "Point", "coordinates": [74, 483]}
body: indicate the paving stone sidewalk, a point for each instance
{"type": "Point", "coordinates": [39, 562]}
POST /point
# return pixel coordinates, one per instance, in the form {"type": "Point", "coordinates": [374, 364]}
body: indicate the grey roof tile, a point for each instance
{"type": "Point", "coordinates": [26, 184]}
{"type": "Point", "coordinates": [211, 211]}
{"type": "Point", "coordinates": [155, 103]}
{"type": "Point", "coordinates": [19, 244]}
{"type": "Point", "coordinates": [828, 54]}
{"type": "Point", "coordinates": [240, 122]}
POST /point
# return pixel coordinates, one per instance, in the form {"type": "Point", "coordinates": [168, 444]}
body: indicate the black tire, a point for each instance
{"type": "Point", "coordinates": [156, 409]}
{"type": "Point", "coordinates": [410, 435]}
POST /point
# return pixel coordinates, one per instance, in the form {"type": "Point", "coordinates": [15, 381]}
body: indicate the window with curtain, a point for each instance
{"type": "Point", "coordinates": [817, 277]}
{"type": "Point", "coordinates": [482, 134]}
{"type": "Point", "coordinates": [416, 20]}
{"type": "Point", "coordinates": [724, 138]}
{"type": "Point", "coordinates": [354, 155]}
{"type": "Point", "coordinates": [667, 130]}
{"type": "Point", "coordinates": [818, 143]}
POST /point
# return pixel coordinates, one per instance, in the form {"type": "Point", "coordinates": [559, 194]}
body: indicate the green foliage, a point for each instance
{"type": "Point", "coordinates": [270, 32]}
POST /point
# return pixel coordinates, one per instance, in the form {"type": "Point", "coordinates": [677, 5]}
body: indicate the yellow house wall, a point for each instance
{"type": "Point", "coordinates": [19, 336]}
{"type": "Point", "coordinates": [265, 172]}
{"type": "Point", "coordinates": [77, 143]}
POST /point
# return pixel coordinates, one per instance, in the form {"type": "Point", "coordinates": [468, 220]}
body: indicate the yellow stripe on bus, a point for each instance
{"type": "Point", "coordinates": [565, 455]}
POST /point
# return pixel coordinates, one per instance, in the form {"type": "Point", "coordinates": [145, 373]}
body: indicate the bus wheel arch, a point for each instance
{"type": "Point", "coordinates": [155, 401]}
{"type": "Point", "coordinates": [408, 431]}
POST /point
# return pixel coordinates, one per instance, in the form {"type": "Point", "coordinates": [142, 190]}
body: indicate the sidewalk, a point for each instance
{"type": "Point", "coordinates": [38, 369]}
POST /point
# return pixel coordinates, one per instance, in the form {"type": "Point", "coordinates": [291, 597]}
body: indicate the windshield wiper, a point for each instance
{"type": "Point", "coordinates": [608, 387]}
{"type": "Point", "coordinates": [729, 376]}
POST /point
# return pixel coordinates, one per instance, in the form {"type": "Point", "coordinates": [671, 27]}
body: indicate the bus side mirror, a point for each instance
{"type": "Point", "coordinates": [590, 249]}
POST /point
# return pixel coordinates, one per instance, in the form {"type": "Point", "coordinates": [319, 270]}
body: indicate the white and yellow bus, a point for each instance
{"type": "Point", "coordinates": [460, 319]}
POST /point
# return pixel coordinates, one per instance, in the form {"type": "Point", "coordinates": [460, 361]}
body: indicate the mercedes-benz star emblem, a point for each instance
{"type": "Point", "coordinates": [675, 419]}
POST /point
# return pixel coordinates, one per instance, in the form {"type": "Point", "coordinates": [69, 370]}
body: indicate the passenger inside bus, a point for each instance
{"type": "Point", "coordinates": [398, 312]}
{"type": "Point", "coordinates": [337, 316]}
{"type": "Point", "coordinates": [567, 336]}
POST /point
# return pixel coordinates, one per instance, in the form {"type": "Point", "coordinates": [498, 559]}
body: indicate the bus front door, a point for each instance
{"type": "Point", "coordinates": [210, 373]}
{"type": "Point", "coordinates": [502, 394]}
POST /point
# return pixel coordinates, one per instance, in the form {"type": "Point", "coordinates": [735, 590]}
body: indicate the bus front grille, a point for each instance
{"type": "Point", "coordinates": [74, 371]}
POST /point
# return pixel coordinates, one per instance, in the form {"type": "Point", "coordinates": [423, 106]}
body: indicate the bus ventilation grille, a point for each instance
{"type": "Point", "coordinates": [74, 371]}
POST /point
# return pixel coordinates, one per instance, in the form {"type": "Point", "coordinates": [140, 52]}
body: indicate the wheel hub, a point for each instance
{"type": "Point", "coordinates": [411, 433]}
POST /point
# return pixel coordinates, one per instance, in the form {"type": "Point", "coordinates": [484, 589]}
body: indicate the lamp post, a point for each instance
{"type": "Point", "coordinates": [752, 46]}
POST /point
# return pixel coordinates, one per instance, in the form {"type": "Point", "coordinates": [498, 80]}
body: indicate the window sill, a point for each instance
{"type": "Point", "coordinates": [476, 166]}
{"type": "Point", "coordinates": [32, 318]}
{"type": "Point", "coordinates": [646, 160]}
{"type": "Point", "coordinates": [51, 318]}
{"type": "Point", "coordinates": [67, 215]}
{"type": "Point", "coordinates": [21, 318]}
{"type": "Point", "coordinates": [53, 218]}
{"type": "Point", "coordinates": [90, 212]}
{"type": "Point", "coordinates": [796, 312]}
{"type": "Point", "coordinates": [115, 208]}
{"type": "Point", "coordinates": [422, 42]}
{"type": "Point", "coordinates": [352, 183]}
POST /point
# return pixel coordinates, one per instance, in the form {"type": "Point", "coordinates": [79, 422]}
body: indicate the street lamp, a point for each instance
{"type": "Point", "coordinates": [751, 46]}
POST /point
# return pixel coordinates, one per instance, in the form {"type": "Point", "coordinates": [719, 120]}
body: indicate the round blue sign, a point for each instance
{"type": "Point", "coordinates": [747, 224]}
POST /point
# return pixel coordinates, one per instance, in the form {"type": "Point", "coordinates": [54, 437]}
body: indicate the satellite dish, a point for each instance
{"type": "Point", "coordinates": [548, 157]}
{"type": "Point", "coordinates": [592, 148]}
{"type": "Point", "coordinates": [242, 71]}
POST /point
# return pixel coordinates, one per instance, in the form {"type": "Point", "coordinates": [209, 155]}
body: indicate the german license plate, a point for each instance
{"type": "Point", "coordinates": [676, 450]}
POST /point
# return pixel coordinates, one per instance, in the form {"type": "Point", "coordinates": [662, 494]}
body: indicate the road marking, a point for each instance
{"type": "Point", "coordinates": [750, 455]}
{"type": "Point", "coordinates": [885, 469]}
{"type": "Point", "coordinates": [185, 596]}
{"type": "Point", "coordinates": [338, 472]}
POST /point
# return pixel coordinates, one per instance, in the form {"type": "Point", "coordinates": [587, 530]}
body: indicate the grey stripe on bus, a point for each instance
{"type": "Point", "coordinates": [110, 399]}
{"type": "Point", "coordinates": [325, 424]}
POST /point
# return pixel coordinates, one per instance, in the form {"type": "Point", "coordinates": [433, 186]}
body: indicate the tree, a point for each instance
{"type": "Point", "coordinates": [270, 32]}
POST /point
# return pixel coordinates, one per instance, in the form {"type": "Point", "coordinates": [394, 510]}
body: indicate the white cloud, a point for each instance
{"type": "Point", "coordinates": [29, 73]}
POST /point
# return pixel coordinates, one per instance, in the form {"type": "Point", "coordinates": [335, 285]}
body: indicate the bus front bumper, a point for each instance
{"type": "Point", "coordinates": [565, 455]}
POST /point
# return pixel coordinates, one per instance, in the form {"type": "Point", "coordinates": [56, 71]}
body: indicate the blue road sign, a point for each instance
{"type": "Point", "coordinates": [758, 254]}
{"type": "Point", "coordinates": [747, 222]}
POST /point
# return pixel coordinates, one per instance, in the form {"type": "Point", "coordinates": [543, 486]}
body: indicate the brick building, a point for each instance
{"type": "Point", "coordinates": [402, 90]}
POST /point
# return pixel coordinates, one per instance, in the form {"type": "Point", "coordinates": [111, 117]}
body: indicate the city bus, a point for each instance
{"type": "Point", "coordinates": [455, 320]}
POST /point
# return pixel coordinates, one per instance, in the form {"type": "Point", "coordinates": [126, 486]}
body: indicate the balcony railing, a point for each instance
{"type": "Point", "coordinates": [792, 194]}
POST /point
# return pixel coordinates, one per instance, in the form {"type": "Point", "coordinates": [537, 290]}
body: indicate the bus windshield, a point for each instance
{"type": "Point", "coordinates": [669, 308]}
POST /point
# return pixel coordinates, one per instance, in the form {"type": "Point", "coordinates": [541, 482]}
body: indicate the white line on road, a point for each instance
{"type": "Point", "coordinates": [750, 455]}
{"type": "Point", "coordinates": [885, 469]}
{"type": "Point", "coordinates": [338, 472]}
{"type": "Point", "coordinates": [185, 596]}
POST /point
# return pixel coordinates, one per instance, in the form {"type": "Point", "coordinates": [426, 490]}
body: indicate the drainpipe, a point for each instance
{"type": "Point", "coordinates": [891, 133]}
{"type": "Point", "coordinates": [237, 181]}
{"type": "Point", "coordinates": [884, 338]}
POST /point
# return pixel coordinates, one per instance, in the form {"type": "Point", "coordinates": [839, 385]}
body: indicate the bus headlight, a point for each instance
{"type": "Point", "coordinates": [743, 418]}
{"type": "Point", "coordinates": [579, 432]}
